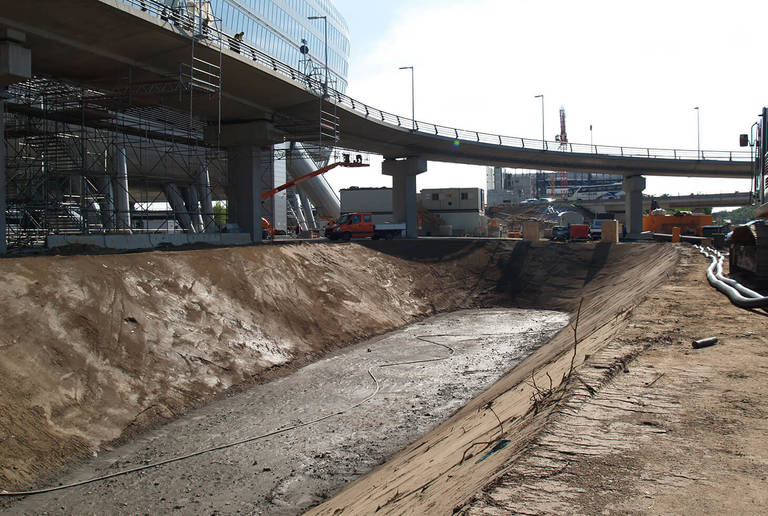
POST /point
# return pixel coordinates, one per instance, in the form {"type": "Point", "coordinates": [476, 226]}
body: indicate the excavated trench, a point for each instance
{"type": "Point", "coordinates": [98, 349]}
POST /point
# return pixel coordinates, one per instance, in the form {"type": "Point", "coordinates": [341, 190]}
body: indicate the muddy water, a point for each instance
{"type": "Point", "coordinates": [378, 396]}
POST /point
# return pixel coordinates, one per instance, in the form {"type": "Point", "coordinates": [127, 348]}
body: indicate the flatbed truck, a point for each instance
{"type": "Point", "coordinates": [361, 225]}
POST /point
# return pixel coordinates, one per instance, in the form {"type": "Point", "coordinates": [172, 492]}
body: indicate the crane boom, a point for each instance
{"type": "Point", "coordinates": [271, 193]}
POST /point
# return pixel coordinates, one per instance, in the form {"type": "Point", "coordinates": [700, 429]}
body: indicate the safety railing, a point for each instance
{"type": "Point", "coordinates": [195, 27]}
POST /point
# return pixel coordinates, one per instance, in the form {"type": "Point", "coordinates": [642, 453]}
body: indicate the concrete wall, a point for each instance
{"type": "Point", "coordinates": [148, 240]}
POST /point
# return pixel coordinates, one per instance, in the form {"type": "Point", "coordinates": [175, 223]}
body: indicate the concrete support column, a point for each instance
{"type": "Point", "coordinates": [193, 208]}
{"type": "Point", "coordinates": [274, 176]}
{"type": "Point", "coordinates": [306, 206]}
{"type": "Point", "coordinates": [295, 202]}
{"type": "Point", "coordinates": [3, 231]}
{"type": "Point", "coordinates": [246, 166]}
{"type": "Point", "coordinates": [404, 203]}
{"type": "Point", "coordinates": [107, 205]}
{"type": "Point", "coordinates": [173, 195]}
{"type": "Point", "coordinates": [206, 200]}
{"type": "Point", "coordinates": [121, 192]}
{"type": "Point", "coordinates": [633, 187]}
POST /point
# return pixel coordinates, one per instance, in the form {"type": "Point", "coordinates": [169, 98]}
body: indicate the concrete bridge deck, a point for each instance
{"type": "Point", "coordinates": [107, 43]}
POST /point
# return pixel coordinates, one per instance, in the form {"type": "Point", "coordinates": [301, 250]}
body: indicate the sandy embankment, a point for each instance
{"type": "Point", "coordinates": [96, 348]}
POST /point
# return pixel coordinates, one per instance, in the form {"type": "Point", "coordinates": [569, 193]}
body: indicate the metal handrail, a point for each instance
{"type": "Point", "coordinates": [459, 135]}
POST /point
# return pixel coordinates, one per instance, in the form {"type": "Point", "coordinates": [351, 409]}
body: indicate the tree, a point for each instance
{"type": "Point", "coordinates": [220, 214]}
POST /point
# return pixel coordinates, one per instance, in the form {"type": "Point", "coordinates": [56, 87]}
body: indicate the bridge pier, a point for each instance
{"type": "Point", "coordinates": [252, 170]}
{"type": "Point", "coordinates": [246, 166]}
{"type": "Point", "coordinates": [404, 202]}
{"type": "Point", "coordinates": [633, 187]}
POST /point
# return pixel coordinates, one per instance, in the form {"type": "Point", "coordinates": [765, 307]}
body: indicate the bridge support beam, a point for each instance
{"type": "Point", "coordinates": [253, 169]}
{"type": "Point", "coordinates": [633, 205]}
{"type": "Point", "coordinates": [246, 166]}
{"type": "Point", "coordinates": [404, 203]}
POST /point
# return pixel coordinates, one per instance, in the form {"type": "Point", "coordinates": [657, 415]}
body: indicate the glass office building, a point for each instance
{"type": "Point", "coordinates": [277, 27]}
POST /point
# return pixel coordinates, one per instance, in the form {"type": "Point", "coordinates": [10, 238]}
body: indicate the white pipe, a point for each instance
{"type": "Point", "coordinates": [177, 203]}
{"type": "Point", "coordinates": [715, 277]}
{"type": "Point", "coordinates": [121, 192]}
{"type": "Point", "coordinates": [108, 204]}
{"type": "Point", "coordinates": [295, 202]}
{"type": "Point", "coordinates": [306, 207]}
{"type": "Point", "coordinates": [206, 199]}
{"type": "Point", "coordinates": [316, 188]}
{"type": "Point", "coordinates": [193, 208]}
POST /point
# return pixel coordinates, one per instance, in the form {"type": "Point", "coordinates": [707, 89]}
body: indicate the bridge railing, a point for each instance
{"type": "Point", "coordinates": [194, 27]}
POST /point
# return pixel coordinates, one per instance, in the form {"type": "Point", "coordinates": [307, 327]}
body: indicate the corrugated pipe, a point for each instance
{"type": "Point", "coordinates": [739, 295]}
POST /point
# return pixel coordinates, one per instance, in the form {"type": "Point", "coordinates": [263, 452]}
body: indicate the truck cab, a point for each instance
{"type": "Point", "coordinates": [349, 225]}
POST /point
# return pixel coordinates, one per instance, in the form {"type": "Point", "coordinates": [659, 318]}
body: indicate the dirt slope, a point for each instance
{"type": "Point", "coordinates": [676, 431]}
{"type": "Point", "coordinates": [447, 466]}
{"type": "Point", "coordinates": [97, 348]}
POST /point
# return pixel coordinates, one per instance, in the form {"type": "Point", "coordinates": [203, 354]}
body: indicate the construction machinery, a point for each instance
{"type": "Point", "coordinates": [748, 244]}
{"type": "Point", "coordinates": [361, 225]}
{"type": "Point", "coordinates": [266, 226]}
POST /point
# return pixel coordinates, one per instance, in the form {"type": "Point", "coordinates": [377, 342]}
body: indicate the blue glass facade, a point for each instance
{"type": "Point", "coordinates": [277, 27]}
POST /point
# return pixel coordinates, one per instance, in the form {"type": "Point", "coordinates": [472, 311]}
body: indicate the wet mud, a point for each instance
{"type": "Point", "coordinates": [322, 426]}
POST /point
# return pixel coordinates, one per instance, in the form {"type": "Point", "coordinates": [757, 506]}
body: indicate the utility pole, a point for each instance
{"type": "Point", "coordinates": [413, 97]}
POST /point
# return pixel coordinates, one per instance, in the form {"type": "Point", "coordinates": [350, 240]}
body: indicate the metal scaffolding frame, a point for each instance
{"type": "Point", "coordinates": [70, 152]}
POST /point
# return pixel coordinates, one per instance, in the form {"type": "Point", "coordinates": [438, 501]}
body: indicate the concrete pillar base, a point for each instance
{"type": "Point", "coordinates": [404, 203]}
{"type": "Point", "coordinates": [246, 165]}
{"type": "Point", "coordinates": [633, 187]}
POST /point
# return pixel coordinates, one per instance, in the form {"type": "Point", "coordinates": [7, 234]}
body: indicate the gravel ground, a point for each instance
{"type": "Point", "coordinates": [456, 357]}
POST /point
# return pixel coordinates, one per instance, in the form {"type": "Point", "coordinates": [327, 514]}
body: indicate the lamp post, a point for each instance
{"type": "Point", "coordinates": [413, 98]}
{"type": "Point", "coordinates": [698, 134]}
{"type": "Point", "coordinates": [590, 135]}
{"type": "Point", "coordinates": [543, 144]}
{"type": "Point", "coordinates": [325, 20]}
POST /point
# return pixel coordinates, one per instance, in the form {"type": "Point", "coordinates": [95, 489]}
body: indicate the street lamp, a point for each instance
{"type": "Point", "coordinates": [698, 134]}
{"type": "Point", "coordinates": [325, 20]}
{"type": "Point", "coordinates": [543, 144]}
{"type": "Point", "coordinates": [590, 135]}
{"type": "Point", "coordinates": [413, 98]}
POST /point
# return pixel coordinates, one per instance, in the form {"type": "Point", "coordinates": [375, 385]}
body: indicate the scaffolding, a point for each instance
{"type": "Point", "coordinates": [84, 160]}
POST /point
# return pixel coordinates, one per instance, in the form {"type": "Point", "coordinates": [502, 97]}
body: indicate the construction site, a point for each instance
{"type": "Point", "coordinates": [193, 322]}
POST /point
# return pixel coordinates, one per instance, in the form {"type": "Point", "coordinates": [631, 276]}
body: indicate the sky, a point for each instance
{"type": "Point", "coordinates": [635, 71]}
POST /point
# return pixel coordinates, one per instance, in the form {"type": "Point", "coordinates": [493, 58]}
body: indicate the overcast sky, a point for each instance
{"type": "Point", "coordinates": [634, 70]}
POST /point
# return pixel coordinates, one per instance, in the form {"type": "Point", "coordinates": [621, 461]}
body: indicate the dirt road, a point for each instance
{"type": "Point", "coordinates": [677, 431]}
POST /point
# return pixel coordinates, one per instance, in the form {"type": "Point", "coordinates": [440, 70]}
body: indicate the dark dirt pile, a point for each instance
{"type": "Point", "coordinates": [97, 348]}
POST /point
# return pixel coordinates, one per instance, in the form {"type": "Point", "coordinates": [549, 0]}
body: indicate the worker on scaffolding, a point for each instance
{"type": "Point", "coordinates": [172, 10]}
